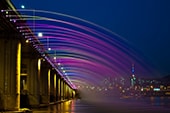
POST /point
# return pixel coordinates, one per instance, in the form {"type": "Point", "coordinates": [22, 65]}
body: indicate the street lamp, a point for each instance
{"type": "Point", "coordinates": [22, 6]}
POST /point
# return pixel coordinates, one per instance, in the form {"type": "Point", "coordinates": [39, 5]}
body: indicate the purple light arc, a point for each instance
{"type": "Point", "coordinates": [87, 52]}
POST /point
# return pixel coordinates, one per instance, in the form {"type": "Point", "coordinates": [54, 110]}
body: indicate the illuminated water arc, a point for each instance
{"type": "Point", "coordinates": [42, 11]}
{"type": "Point", "coordinates": [103, 44]}
{"type": "Point", "coordinates": [75, 25]}
{"type": "Point", "coordinates": [80, 65]}
{"type": "Point", "coordinates": [76, 44]}
{"type": "Point", "coordinates": [79, 69]}
{"type": "Point", "coordinates": [91, 58]}
{"type": "Point", "coordinates": [86, 80]}
{"type": "Point", "coordinates": [70, 48]}
{"type": "Point", "coordinates": [63, 30]}
{"type": "Point", "coordinates": [66, 44]}
{"type": "Point", "coordinates": [99, 69]}
{"type": "Point", "coordinates": [68, 16]}
{"type": "Point", "coordinates": [104, 48]}
{"type": "Point", "coordinates": [83, 77]}
{"type": "Point", "coordinates": [81, 82]}
{"type": "Point", "coordinates": [87, 73]}
{"type": "Point", "coordinates": [71, 45]}
{"type": "Point", "coordinates": [84, 74]}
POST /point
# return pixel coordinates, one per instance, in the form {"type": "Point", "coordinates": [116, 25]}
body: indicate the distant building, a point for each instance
{"type": "Point", "coordinates": [133, 78]}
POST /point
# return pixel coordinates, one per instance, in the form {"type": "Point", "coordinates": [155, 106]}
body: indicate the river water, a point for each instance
{"type": "Point", "coordinates": [111, 105]}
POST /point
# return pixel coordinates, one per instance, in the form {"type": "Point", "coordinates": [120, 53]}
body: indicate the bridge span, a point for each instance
{"type": "Point", "coordinates": [27, 79]}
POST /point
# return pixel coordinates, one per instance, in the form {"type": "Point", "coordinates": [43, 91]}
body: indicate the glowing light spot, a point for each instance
{"type": "Point", "coordinates": [40, 35]}
{"type": "Point", "coordinates": [22, 6]}
{"type": "Point", "coordinates": [156, 89]}
{"type": "Point", "coordinates": [27, 41]}
{"type": "Point", "coordinates": [49, 48]}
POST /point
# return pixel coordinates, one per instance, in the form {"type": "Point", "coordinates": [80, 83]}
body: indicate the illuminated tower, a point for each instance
{"type": "Point", "coordinates": [133, 78]}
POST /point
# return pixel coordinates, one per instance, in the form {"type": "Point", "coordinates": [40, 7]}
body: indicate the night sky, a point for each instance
{"type": "Point", "coordinates": [144, 23]}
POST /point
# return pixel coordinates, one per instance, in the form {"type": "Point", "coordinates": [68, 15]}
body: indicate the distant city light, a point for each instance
{"type": "Point", "coordinates": [22, 6]}
{"type": "Point", "coordinates": [40, 34]}
{"type": "Point", "coordinates": [156, 89]}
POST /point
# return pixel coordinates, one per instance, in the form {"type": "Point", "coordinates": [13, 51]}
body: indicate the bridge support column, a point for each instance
{"type": "Point", "coordinates": [52, 86]}
{"type": "Point", "coordinates": [33, 82]}
{"type": "Point", "coordinates": [55, 87]}
{"type": "Point", "coordinates": [59, 89]}
{"type": "Point", "coordinates": [44, 83]}
{"type": "Point", "coordinates": [66, 91]}
{"type": "Point", "coordinates": [62, 89]}
{"type": "Point", "coordinates": [10, 58]}
{"type": "Point", "coordinates": [70, 93]}
{"type": "Point", "coordinates": [49, 84]}
{"type": "Point", "coordinates": [39, 79]}
{"type": "Point", "coordinates": [18, 76]}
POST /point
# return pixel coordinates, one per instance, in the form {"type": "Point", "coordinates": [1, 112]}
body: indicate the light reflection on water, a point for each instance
{"type": "Point", "coordinates": [109, 105]}
{"type": "Point", "coordinates": [65, 107]}
{"type": "Point", "coordinates": [158, 101]}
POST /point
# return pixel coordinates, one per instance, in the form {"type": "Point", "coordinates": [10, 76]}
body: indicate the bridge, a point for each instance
{"type": "Point", "coordinates": [24, 72]}
{"type": "Point", "coordinates": [48, 57]}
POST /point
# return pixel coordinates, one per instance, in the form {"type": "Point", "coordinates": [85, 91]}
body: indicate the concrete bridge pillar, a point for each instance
{"type": "Point", "coordinates": [59, 89]}
{"type": "Point", "coordinates": [66, 92]}
{"type": "Point", "coordinates": [52, 86]}
{"type": "Point", "coordinates": [44, 82]}
{"type": "Point", "coordinates": [62, 89]}
{"type": "Point", "coordinates": [10, 58]}
{"type": "Point", "coordinates": [64, 86]}
{"type": "Point", "coordinates": [33, 85]}
{"type": "Point", "coordinates": [49, 84]}
{"type": "Point", "coordinates": [55, 87]}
